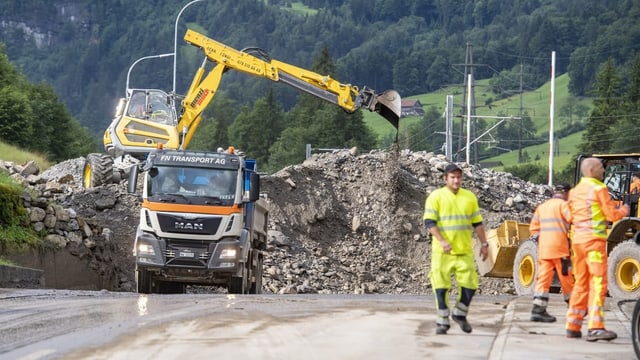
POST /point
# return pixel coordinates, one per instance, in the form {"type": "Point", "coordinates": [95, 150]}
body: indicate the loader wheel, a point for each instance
{"type": "Point", "coordinates": [98, 170]}
{"type": "Point", "coordinates": [525, 268]}
{"type": "Point", "coordinates": [624, 271]}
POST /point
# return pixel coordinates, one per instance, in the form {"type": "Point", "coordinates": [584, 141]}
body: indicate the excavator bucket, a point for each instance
{"type": "Point", "coordinates": [388, 104]}
{"type": "Point", "coordinates": [503, 246]}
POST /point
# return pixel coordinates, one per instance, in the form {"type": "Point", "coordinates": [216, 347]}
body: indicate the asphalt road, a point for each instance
{"type": "Point", "coordinates": [62, 324]}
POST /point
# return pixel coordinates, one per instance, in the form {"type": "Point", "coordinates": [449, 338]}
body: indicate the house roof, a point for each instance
{"type": "Point", "coordinates": [410, 103]}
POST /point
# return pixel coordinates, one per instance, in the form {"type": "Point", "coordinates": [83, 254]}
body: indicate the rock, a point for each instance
{"type": "Point", "coordinates": [340, 223]}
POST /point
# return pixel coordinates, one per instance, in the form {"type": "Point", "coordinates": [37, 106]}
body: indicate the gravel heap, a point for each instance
{"type": "Point", "coordinates": [340, 222]}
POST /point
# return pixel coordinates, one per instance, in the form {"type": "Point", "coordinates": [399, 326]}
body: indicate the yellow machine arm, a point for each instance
{"type": "Point", "coordinates": [202, 91]}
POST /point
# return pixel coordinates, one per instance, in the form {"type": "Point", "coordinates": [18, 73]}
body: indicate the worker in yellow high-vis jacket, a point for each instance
{"type": "Point", "coordinates": [451, 214]}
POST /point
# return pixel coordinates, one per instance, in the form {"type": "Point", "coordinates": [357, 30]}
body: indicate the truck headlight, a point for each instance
{"type": "Point", "coordinates": [146, 249]}
{"type": "Point", "coordinates": [228, 253]}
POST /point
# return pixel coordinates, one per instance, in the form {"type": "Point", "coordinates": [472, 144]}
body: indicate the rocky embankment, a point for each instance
{"type": "Point", "coordinates": [340, 222]}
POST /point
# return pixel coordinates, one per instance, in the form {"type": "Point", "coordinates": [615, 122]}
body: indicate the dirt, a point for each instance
{"type": "Point", "coordinates": [340, 222]}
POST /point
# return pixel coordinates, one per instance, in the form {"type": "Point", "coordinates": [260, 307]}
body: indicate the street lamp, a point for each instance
{"type": "Point", "coordinates": [144, 58]}
{"type": "Point", "coordinates": [175, 42]}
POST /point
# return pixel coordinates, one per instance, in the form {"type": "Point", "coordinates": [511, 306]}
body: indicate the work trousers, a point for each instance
{"type": "Point", "coordinates": [442, 267]}
{"type": "Point", "coordinates": [544, 279]}
{"type": "Point", "coordinates": [590, 289]}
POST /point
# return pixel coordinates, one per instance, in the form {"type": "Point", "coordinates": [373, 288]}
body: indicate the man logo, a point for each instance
{"type": "Point", "coordinates": [188, 226]}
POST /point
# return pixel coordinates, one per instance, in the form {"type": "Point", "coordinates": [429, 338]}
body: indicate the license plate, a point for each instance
{"type": "Point", "coordinates": [186, 254]}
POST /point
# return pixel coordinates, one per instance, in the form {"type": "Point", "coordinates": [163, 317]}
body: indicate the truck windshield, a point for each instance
{"type": "Point", "coordinates": [194, 182]}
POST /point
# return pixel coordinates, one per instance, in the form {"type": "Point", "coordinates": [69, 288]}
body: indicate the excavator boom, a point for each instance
{"type": "Point", "coordinates": [348, 97]}
{"type": "Point", "coordinates": [146, 119]}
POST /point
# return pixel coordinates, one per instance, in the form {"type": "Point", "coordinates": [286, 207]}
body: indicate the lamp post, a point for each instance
{"type": "Point", "coordinates": [175, 42]}
{"type": "Point", "coordinates": [144, 58]}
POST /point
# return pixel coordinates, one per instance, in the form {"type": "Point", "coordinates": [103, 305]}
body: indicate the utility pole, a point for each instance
{"type": "Point", "coordinates": [520, 115]}
{"type": "Point", "coordinates": [471, 107]}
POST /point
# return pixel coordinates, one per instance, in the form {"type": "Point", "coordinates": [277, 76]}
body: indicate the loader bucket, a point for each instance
{"type": "Point", "coordinates": [503, 246]}
{"type": "Point", "coordinates": [388, 104]}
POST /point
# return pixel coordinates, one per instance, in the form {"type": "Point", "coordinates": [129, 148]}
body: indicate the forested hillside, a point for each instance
{"type": "Point", "coordinates": [84, 48]}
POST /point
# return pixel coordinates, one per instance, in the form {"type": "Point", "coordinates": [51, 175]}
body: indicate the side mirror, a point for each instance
{"type": "Point", "coordinates": [133, 179]}
{"type": "Point", "coordinates": [254, 191]}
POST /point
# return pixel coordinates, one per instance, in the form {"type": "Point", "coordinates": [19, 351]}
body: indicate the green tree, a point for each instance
{"type": "Point", "coordinates": [426, 134]}
{"type": "Point", "coordinates": [255, 130]}
{"type": "Point", "coordinates": [625, 141]}
{"type": "Point", "coordinates": [216, 119]}
{"type": "Point", "coordinates": [16, 117]}
{"type": "Point", "coordinates": [319, 123]}
{"type": "Point", "coordinates": [598, 136]}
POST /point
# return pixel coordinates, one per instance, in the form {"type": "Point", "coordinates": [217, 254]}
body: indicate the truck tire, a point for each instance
{"type": "Point", "coordinates": [144, 281]}
{"type": "Point", "coordinates": [525, 268]}
{"type": "Point", "coordinates": [635, 329]}
{"type": "Point", "coordinates": [98, 170]}
{"type": "Point", "coordinates": [256, 283]}
{"type": "Point", "coordinates": [238, 284]}
{"type": "Point", "coordinates": [623, 273]}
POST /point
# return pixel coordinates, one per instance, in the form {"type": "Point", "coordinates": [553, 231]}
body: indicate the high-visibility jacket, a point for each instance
{"type": "Point", "coordinates": [592, 208]}
{"type": "Point", "coordinates": [454, 215]}
{"type": "Point", "coordinates": [551, 221]}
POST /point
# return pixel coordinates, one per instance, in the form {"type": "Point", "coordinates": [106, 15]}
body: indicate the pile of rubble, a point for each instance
{"type": "Point", "coordinates": [340, 222]}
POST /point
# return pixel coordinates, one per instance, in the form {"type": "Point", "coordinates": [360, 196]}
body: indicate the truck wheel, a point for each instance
{"type": "Point", "coordinates": [525, 268]}
{"type": "Point", "coordinates": [624, 271]}
{"type": "Point", "coordinates": [635, 329]}
{"type": "Point", "coordinates": [256, 283]}
{"type": "Point", "coordinates": [143, 281]}
{"type": "Point", "coordinates": [98, 170]}
{"type": "Point", "coordinates": [238, 284]}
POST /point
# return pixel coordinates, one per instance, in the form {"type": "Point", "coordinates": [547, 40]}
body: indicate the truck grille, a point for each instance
{"type": "Point", "coordinates": [178, 224]}
{"type": "Point", "coordinates": [188, 253]}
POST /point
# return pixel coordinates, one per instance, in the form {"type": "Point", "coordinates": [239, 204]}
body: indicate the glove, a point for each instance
{"type": "Point", "coordinates": [566, 265]}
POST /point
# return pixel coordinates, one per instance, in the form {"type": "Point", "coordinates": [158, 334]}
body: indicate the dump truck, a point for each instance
{"type": "Point", "coordinates": [147, 118]}
{"type": "Point", "coordinates": [513, 254]}
{"type": "Point", "coordinates": [202, 222]}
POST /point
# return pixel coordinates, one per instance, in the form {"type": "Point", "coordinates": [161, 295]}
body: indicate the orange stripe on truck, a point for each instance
{"type": "Point", "coordinates": [188, 208]}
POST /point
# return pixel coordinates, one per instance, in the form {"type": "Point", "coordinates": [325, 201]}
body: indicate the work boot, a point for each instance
{"type": "Point", "coordinates": [442, 329]}
{"type": "Point", "coordinates": [571, 334]}
{"type": "Point", "coordinates": [601, 334]}
{"type": "Point", "coordinates": [462, 321]}
{"type": "Point", "coordinates": [540, 314]}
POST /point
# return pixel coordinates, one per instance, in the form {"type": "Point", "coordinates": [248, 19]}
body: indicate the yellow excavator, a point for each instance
{"type": "Point", "coordinates": [146, 119]}
{"type": "Point", "coordinates": [513, 254]}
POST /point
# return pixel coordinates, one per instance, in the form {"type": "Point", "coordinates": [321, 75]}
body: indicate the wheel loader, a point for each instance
{"type": "Point", "coordinates": [513, 254]}
{"type": "Point", "coordinates": [146, 119]}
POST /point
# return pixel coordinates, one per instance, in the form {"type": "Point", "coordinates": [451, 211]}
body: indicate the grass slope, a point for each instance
{"type": "Point", "coordinates": [535, 103]}
{"type": "Point", "coordinates": [19, 156]}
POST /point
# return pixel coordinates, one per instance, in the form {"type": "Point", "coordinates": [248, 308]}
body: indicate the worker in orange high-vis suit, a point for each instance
{"type": "Point", "coordinates": [591, 209]}
{"type": "Point", "coordinates": [550, 225]}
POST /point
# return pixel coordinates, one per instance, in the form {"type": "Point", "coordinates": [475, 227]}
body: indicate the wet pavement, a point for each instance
{"type": "Point", "coordinates": [50, 324]}
{"type": "Point", "coordinates": [521, 338]}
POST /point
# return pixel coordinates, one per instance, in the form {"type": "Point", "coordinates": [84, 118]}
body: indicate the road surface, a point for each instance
{"type": "Point", "coordinates": [63, 324]}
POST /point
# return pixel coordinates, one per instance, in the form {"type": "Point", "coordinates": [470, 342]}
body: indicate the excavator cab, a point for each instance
{"type": "Point", "coordinates": [145, 119]}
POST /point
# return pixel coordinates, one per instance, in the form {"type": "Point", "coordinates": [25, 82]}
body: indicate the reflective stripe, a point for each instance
{"type": "Point", "coordinates": [592, 209]}
{"type": "Point", "coordinates": [460, 310]}
{"type": "Point", "coordinates": [454, 215]}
